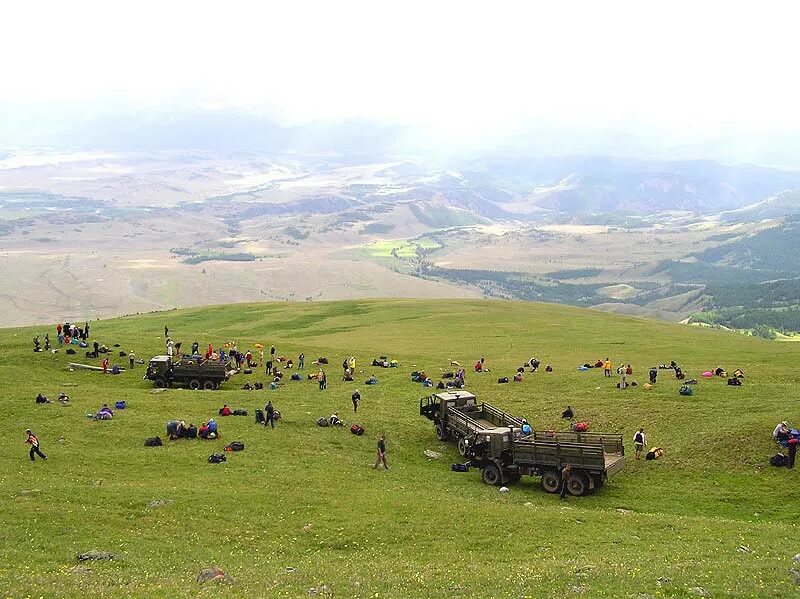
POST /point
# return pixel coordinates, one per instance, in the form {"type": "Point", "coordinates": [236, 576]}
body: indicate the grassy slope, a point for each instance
{"type": "Point", "coordinates": [417, 530]}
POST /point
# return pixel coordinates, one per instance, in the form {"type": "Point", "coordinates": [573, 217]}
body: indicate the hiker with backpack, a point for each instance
{"type": "Point", "coordinates": [381, 453]}
{"type": "Point", "coordinates": [639, 441]}
{"type": "Point", "coordinates": [356, 397]}
{"type": "Point", "coordinates": [33, 441]}
{"type": "Point", "coordinates": [269, 411]}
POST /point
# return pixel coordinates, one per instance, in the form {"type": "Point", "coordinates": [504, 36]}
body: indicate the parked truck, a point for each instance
{"type": "Point", "coordinates": [494, 443]}
{"type": "Point", "coordinates": [457, 416]}
{"type": "Point", "coordinates": [165, 372]}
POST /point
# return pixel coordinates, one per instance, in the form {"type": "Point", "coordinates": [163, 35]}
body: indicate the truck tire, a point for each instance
{"type": "Point", "coordinates": [441, 433]}
{"type": "Point", "coordinates": [160, 383]}
{"type": "Point", "coordinates": [578, 483]}
{"type": "Point", "coordinates": [491, 475]}
{"type": "Point", "coordinates": [194, 384]}
{"type": "Point", "coordinates": [209, 385]}
{"type": "Point", "coordinates": [462, 447]}
{"type": "Point", "coordinates": [551, 481]}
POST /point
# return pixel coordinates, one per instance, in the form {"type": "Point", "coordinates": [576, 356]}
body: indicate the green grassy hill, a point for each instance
{"type": "Point", "coordinates": [301, 509]}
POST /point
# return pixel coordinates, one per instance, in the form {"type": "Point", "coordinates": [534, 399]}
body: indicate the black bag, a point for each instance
{"type": "Point", "coordinates": [357, 429]}
{"type": "Point", "coordinates": [779, 460]}
{"type": "Point", "coordinates": [440, 385]}
{"type": "Point", "coordinates": [216, 458]}
{"type": "Point", "coordinates": [248, 371]}
{"type": "Point", "coordinates": [153, 442]}
{"type": "Point", "coordinates": [70, 351]}
{"type": "Point", "coordinates": [503, 379]}
{"type": "Point", "coordinates": [735, 382]}
{"type": "Point", "coordinates": [322, 421]}
{"type": "Point", "coordinates": [235, 446]}
{"type": "Point", "coordinates": [260, 416]}
{"type": "Point", "coordinates": [459, 467]}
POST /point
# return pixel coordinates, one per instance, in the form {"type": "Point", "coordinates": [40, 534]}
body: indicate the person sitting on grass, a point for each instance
{"type": "Point", "coordinates": [225, 410]}
{"type": "Point", "coordinates": [781, 432]}
{"type": "Point", "coordinates": [335, 420]}
{"type": "Point", "coordinates": [104, 413]}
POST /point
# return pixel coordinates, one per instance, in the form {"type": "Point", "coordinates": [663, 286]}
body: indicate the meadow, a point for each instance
{"type": "Point", "coordinates": [300, 512]}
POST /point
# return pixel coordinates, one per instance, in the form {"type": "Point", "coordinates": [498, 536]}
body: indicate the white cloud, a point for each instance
{"type": "Point", "coordinates": [688, 68]}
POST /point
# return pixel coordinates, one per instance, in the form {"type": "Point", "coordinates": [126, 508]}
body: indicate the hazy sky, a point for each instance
{"type": "Point", "coordinates": [458, 68]}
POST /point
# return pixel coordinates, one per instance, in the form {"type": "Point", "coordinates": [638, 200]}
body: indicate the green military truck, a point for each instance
{"type": "Point", "coordinates": [493, 442]}
{"type": "Point", "coordinates": [457, 416]}
{"type": "Point", "coordinates": [165, 372]}
{"type": "Point", "coordinates": [505, 456]}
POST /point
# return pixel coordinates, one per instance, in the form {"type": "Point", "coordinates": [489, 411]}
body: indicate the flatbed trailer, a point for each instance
{"type": "Point", "coordinates": [505, 457]}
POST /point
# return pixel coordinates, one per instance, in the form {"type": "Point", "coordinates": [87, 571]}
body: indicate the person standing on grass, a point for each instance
{"type": "Point", "coordinates": [166, 331]}
{"type": "Point", "coordinates": [381, 453]}
{"type": "Point", "coordinates": [322, 379]}
{"type": "Point", "coordinates": [34, 443]}
{"type": "Point", "coordinates": [269, 410]}
{"type": "Point", "coordinates": [566, 471]}
{"type": "Point", "coordinates": [607, 367]}
{"type": "Point", "coordinates": [105, 365]}
{"type": "Point", "coordinates": [132, 358]}
{"type": "Point", "coordinates": [623, 375]}
{"type": "Point", "coordinates": [301, 361]}
{"type": "Point", "coordinates": [639, 441]}
{"type": "Point", "coordinates": [356, 397]}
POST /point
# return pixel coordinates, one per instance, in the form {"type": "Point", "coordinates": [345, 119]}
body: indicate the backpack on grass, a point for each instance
{"type": "Point", "coordinates": [685, 390]}
{"type": "Point", "coordinates": [153, 442]}
{"type": "Point", "coordinates": [216, 458]}
{"type": "Point", "coordinates": [779, 460]}
{"type": "Point", "coordinates": [234, 446]}
{"type": "Point", "coordinates": [459, 467]}
{"type": "Point", "coordinates": [260, 416]}
{"type": "Point", "coordinates": [357, 429]}
{"type": "Point", "coordinates": [322, 421]}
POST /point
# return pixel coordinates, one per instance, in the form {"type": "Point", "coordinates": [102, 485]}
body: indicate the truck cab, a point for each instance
{"type": "Point", "coordinates": [159, 368]}
{"type": "Point", "coordinates": [435, 406]}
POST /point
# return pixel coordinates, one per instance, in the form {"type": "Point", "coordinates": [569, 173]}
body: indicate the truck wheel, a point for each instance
{"type": "Point", "coordinates": [209, 385]}
{"type": "Point", "coordinates": [551, 481]}
{"type": "Point", "coordinates": [194, 384]}
{"type": "Point", "coordinates": [578, 484]}
{"type": "Point", "coordinates": [441, 433]}
{"type": "Point", "coordinates": [491, 475]}
{"type": "Point", "coordinates": [160, 383]}
{"type": "Point", "coordinates": [462, 447]}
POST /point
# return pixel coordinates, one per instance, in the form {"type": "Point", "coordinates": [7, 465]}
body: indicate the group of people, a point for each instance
{"type": "Point", "coordinates": [178, 429]}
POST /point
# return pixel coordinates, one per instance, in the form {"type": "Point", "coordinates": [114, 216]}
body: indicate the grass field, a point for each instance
{"type": "Point", "coordinates": [300, 512]}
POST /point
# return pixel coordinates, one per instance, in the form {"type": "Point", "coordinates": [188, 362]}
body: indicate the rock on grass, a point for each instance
{"type": "Point", "coordinates": [95, 556]}
{"type": "Point", "coordinates": [213, 574]}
